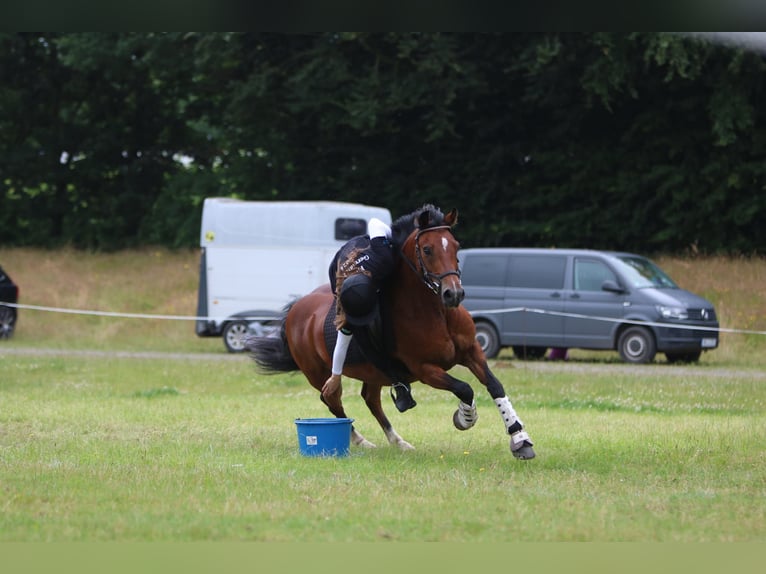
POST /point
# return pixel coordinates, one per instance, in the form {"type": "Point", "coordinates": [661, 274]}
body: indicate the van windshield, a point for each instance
{"type": "Point", "coordinates": [642, 273]}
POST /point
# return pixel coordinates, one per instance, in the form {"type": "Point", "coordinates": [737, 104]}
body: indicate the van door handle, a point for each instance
{"type": "Point", "coordinates": [556, 295]}
{"type": "Point", "coordinates": [574, 296]}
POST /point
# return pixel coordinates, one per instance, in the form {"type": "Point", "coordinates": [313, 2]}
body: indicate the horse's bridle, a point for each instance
{"type": "Point", "coordinates": [432, 280]}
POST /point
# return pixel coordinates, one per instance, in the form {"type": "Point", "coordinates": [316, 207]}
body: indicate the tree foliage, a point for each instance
{"type": "Point", "coordinates": [645, 142]}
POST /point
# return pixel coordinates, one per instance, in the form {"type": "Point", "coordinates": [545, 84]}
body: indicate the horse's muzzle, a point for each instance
{"type": "Point", "coordinates": [452, 295]}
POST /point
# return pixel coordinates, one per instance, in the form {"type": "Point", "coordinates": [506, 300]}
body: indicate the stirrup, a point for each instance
{"type": "Point", "coordinates": [403, 399]}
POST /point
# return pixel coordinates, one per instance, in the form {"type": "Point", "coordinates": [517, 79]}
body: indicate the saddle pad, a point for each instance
{"type": "Point", "coordinates": [370, 341]}
{"type": "Point", "coordinates": [354, 354]}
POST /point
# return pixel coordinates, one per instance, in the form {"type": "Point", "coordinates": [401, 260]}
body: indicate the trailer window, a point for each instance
{"type": "Point", "coordinates": [347, 227]}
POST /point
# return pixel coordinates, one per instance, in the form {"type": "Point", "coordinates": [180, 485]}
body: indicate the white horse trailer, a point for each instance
{"type": "Point", "coordinates": [257, 256]}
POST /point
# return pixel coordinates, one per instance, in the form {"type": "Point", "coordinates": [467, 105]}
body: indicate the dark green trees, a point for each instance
{"type": "Point", "coordinates": [647, 142]}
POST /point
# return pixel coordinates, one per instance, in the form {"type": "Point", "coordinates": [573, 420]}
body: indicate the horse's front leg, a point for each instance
{"type": "Point", "coordinates": [521, 444]}
{"type": "Point", "coordinates": [466, 414]}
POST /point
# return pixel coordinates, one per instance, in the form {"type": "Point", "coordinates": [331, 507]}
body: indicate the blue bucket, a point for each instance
{"type": "Point", "coordinates": [324, 437]}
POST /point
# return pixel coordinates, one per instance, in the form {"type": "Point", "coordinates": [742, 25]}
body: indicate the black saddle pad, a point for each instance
{"type": "Point", "coordinates": [354, 355]}
{"type": "Point", "coordinates": [367, 346]}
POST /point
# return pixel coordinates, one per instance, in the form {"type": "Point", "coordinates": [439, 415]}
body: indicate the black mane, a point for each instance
{"type": "Point", "coordinates": [406, 224]}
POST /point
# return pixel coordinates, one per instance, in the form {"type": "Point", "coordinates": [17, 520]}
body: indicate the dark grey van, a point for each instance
{"type": "Point", "coordinates": [535, 299]}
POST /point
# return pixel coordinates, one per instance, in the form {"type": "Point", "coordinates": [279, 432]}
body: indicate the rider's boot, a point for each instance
{"type": "Point", "coordinates": [402, 396]}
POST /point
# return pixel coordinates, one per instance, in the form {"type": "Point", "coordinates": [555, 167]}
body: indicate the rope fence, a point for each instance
{"type": "Point", "coordinates": [136, 315]}
{"type": "Point", "coordinates": [273, 317]}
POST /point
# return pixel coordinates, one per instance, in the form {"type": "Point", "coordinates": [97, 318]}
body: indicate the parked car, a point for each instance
{"type": "Point", "coordinates": [9, 293]}
{"type": "Point", "coordinates": [583, 299]}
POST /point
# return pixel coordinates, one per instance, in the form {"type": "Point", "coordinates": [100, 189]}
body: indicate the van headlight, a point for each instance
{"type": "Point", "coordinates": [678, 313]}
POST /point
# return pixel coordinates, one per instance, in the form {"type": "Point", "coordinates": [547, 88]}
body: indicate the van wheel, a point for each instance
{"type": "Point", "coordinates": [524, 352]}
{"type": "Point", "coordinates": [488, 339]}
{"type": "Point", "coordinates": [636, 345]}
{"type": "Point", "coordinates": [234, 336]}
{"type": "Point", "coordinates": [692, 357]}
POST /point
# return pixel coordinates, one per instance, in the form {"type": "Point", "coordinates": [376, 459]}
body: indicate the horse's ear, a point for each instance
{"type": "Point", "coordinates": [421, 221]}
{"type": "Point", "coordinates": [451, 218]}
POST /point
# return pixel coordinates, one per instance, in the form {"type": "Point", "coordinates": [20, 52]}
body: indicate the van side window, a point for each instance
{"type": "Point", "coordinates": [590, 274]}
{"type": "Point", "coordinates": [537, 272]}
{"type": "Point", "coordinates": [484, 270]}
{"type": "Point", "coordinates": [347, 227]}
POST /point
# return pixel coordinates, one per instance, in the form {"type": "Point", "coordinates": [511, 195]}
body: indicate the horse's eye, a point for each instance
{"type": "Point", "coordinates": [427, 250]}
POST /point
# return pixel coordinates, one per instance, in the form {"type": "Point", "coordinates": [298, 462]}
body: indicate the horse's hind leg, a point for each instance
{"type": "Point", "coordinates": [371, 396]}
{"type": "Point", "coordinates": [334, 404]}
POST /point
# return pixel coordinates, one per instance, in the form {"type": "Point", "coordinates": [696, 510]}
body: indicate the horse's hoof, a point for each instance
{"type": "Point", "coordinates": [465, 416]}
{"type": "Point", "coordinates": [405, 446]}
{"type": "Point", "coordinates": [526, 452]}
{"type": "Point", "coordinates": [359, 440]}
{"type": "Point", "coordinates": [521, 445]}
{"type": "Point", "coordinates": [457, 422]}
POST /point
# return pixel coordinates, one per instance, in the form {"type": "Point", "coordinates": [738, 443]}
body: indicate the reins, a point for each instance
{"type": "Point", "coordinates": [432, 280]}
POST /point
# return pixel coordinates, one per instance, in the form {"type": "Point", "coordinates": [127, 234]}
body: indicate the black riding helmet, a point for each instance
{"type": "Point", "coordinates": [359, 298]}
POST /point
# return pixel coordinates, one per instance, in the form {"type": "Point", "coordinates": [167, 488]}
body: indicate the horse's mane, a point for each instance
{"type": "Point", "coordinates": [404, 225]}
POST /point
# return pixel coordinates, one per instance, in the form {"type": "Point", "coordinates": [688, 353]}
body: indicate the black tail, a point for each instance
{"type": "Point", "coordinates": [271, 354]}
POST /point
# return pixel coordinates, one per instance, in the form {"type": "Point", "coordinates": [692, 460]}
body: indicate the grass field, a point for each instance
{"type": "Point", "coordinates": [99, 445]}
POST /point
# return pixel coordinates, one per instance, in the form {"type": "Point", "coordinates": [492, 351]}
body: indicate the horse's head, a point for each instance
{"type": "Point", "coordinates": [430, 250]}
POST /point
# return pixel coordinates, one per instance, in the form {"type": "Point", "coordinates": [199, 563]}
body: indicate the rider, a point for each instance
{"type": "Point", "coordinates": [357, 274]}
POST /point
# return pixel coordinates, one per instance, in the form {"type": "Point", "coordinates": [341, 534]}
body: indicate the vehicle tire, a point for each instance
{"type": "Point", "coordinates": [692, 357]}
{"type": "Point", "coordinates": [7, 322]}
{"type": "Point", "coordinates": [525, 352]}
{"type": "Point", "coordinates": [488, 339]}
{"type": "Point", "coordinates": [636, 345]}
{"type": "Point", "coordinates": [234, 334]}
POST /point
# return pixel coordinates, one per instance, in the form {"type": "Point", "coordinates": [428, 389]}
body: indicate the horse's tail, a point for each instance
{"type": "Point", "coordinates": [272, 354]}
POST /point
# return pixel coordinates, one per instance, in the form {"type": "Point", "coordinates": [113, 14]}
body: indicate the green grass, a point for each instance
{"type": "Point", "coordinates": [104, 449]}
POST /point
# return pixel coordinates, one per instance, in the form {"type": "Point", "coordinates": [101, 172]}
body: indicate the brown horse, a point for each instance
{"type": "Point", "coordinates": [431, 333]}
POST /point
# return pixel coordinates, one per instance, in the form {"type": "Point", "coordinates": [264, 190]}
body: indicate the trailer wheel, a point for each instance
{"type": "Point", "coordinates": [234, 334]}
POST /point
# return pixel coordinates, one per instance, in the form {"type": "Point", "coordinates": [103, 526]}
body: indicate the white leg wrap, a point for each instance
{"type": "Point", "coordinates": [506, 411]}
{"type": "Point", "coordinates": [518, 436]}
{"type": "Point", "coordinates": [467, 414]}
